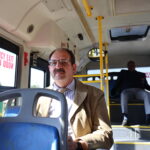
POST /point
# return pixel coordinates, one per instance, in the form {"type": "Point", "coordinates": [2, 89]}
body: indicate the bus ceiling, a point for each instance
{"type": "Point", "coordinates": [39, 22]}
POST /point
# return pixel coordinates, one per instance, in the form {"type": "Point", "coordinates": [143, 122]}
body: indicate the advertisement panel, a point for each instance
{"type": "Point", "coordinates": [7, 68]}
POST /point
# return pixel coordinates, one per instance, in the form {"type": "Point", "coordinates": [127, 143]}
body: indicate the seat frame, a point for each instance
{"type": "Point", "coordinates": [26, 114]}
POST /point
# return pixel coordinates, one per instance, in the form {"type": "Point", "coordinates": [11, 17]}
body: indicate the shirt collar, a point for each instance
{"type": "Point", "coordinates": [70, 86]}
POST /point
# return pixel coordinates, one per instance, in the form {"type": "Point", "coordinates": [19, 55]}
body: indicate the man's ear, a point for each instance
{"type": "Point", "coordinates": [74, 68]}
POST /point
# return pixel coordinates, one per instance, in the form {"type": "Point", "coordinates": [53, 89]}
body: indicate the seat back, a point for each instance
{"type": "Point", "coordinates": [25, 131]}
{"type": "Point", "coordinates": [12, 111]}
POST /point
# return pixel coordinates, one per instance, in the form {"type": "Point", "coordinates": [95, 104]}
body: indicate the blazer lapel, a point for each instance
{"type": "Point", "coordinates": [80, 95]}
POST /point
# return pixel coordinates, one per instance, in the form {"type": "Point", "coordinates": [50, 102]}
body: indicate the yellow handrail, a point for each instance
{"type": "Point", "coordinates": [95, 81]}
{"type": "Point", "coordinates": [87, 7]}
{"type": "Point", "coordinates": [86, 75]}
{"type": "Point", "coordinates": [106, 80]}
{"type": "Point", "coordinates": [99, 18]}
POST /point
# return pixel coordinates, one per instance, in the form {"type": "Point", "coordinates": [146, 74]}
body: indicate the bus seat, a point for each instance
{"type": "Point", "coordinates": [28, 136]}
{"type": "Point", "coordinates": [12, 111]}
{"type": "Point", "coordinates": [28, 132]}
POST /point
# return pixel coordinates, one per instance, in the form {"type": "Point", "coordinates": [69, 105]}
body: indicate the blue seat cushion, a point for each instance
{"type": "Point", "coordinates": [28, 136]}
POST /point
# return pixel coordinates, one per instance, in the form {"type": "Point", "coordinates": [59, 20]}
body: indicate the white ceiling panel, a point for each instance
{"type": "Point", "coordinates": [131, 6]}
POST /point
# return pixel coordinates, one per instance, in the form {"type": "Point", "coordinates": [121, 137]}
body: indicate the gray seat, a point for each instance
{"type": "Point", "coordinates": [25, 131]}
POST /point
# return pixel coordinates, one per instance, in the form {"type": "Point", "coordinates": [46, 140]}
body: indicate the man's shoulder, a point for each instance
{"type": "Point", "coordinates": [87, 87]}
{"type": "Point", "coordinates": [123, 71]}
{"type": "Point", "coordinates": [141, 74]}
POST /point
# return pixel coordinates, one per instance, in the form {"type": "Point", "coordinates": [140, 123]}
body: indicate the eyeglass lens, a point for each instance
{"type": "Point", "coordinates": [62, 62]}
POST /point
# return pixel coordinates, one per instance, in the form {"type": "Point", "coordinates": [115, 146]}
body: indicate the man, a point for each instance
{"type": "Point", "coordinates": [132, 85]}
{"type": "Point", "coordinates": [89, 125]}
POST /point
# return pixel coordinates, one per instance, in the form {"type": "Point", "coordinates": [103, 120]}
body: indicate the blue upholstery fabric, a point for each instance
{"type": "Point", "coordinates": [28, 136]}
{"type": "Point", "coordinates": [12, 111]}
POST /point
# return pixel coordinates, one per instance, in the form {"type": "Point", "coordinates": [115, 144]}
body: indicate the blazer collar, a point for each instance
{"type": "Point", "coordinates": [80, 95]}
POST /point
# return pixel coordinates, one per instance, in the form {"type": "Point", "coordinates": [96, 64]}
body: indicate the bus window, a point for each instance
{"type": "Point", "coordinates": [39, 72]}
{"type": "Point", "coordinates": [37, 78]}
{"type": "Point", "coordinates": [9, 53]}
{"type": "Point", "coordinates": [115, 77]}
{"type": "Point", "coordinates": [89, 79]}
{"type": "Point", "coordinates": [93, 71]}
{"type": "Point", "coordinates": [145, 70]}
{"type": "Point", "coordinates": [7, 68]}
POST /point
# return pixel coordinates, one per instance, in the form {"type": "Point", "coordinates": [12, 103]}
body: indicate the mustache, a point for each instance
{"type": "Point", "coordinates": [59, 70]}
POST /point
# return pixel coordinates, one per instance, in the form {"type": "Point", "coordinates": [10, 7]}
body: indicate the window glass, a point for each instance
{"type": "Point", "coordinates": [93, 71]}
{"type": "Point", "coordinates": [7, 68]}
{"type": "Point", "coordinates": [90, 79]}
{"type": "Point", "coordinates": [115, 77]}
{"type": "Point", "coordinates": [37, 78]}
{"type": "Point", "coordinates": [97, 71]}
{"type": "Point", "coordinates": [145, 70]}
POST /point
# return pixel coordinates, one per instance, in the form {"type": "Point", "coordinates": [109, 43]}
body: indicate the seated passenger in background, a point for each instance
{"type": "Point", "coordinates": [132, 85]}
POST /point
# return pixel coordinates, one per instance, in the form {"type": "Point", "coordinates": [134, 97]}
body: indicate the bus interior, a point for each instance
{"type": "Point", "coordinates": [103, 35]}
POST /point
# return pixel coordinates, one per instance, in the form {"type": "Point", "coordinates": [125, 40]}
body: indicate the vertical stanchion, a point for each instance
{"type": "Point", "coordinates": [107, 81]}
{"type": "Point", "coordinates": [99, 18]}
{"type": "Point", "coordinates": [87, 7]}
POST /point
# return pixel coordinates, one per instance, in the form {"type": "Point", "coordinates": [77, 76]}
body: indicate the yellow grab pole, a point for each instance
{"type": "Point", "coordinates": [87, 7]}
{"type": "Point", "coordinates": [86, 75]}
{"type": "Point", "coordinates": [99, 18]}
{"type": "Point", "coordinates": [107, 81]}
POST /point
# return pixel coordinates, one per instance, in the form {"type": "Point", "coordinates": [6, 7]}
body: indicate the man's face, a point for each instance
{"type": "Point", "coordinates": [131, 66]}
{"type": "Point", "coordinates": [60, 66]}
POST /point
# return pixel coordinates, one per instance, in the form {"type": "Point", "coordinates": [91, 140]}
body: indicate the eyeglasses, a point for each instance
{"type": "Point", "coordinates": [62, 62]}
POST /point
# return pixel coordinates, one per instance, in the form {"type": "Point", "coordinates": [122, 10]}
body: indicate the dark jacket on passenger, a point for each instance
{"type": "Point", "coordinates": [130, 79]}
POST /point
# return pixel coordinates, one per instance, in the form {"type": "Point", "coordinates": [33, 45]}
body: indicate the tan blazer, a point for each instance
{"type": "Point", "coordinates": [88, 116]}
